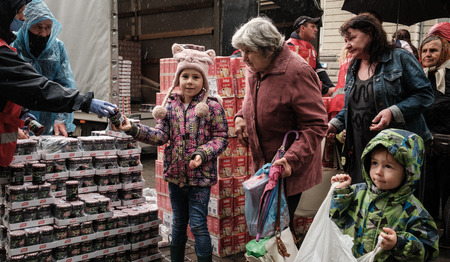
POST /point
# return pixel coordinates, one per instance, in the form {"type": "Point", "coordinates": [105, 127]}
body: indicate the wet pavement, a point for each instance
{"type": "Point", "coordinates": [148, 160]}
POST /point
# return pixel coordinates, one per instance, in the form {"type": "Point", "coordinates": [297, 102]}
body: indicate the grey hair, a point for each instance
{"type": "Point", "coordinates": [260, 35]}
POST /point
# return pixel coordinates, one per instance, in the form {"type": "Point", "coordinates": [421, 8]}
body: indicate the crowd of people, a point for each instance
{"type": "Point", "coordinates": [392, 102]}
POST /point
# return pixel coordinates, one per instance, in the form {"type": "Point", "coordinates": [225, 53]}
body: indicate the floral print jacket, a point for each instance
{"type": "Point", "coordinates": [187, 134]}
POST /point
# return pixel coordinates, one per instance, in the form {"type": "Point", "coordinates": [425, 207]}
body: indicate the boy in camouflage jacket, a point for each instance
{"type": "Point", "coordinates": [385, 204]}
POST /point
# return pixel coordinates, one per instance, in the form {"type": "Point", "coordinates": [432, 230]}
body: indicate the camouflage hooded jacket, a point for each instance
{"type": "Point", "coordinates": [362, 210]}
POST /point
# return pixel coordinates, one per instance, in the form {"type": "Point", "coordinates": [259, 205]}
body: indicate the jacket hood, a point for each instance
{"type": "Point", "coordinates": [8, 10]}
{"type": "Point", "coordinates": [407, 148]}
{"type": "Point", "coordinates": [35, 12]}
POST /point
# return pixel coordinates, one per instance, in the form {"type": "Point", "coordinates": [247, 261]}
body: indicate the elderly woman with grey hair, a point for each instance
{"type": "Point", "coordinates": [282, 93]}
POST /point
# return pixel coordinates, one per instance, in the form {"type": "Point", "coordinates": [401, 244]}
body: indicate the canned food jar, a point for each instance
{"type": "Point", "coordinates": [99, 243]}
{"type": "Point", "coordinates": [60, 232]}
{"type": "Point", "coordinates": [71, 190]}
{"type": "Point", "coordinates": [87, 247]}
{"type": "Point", "coordinates": [133, 218]}
{"type": "Point", "coordinates": [63, 210]}
{"type": "Point", "coordinates": [86, 143]}
{"type": "Point", "coordinates": [74, 230]}
{"type": "Point", "coordinates": [88, 181]}
{"type": "Point", "coordinates": [103, 204]}
{"type": "Point", "coordinates": [15, 216]}
{"type": "Point", "coordinates": [125, 178]}
{"type": "Point", "coordinates": [77, 209]}
{"type": "Point", "coordinates": [136, 176]}
{"type": "Point", "coordinates": [125, 194]}
{"type": "Point", "coordinates": [33, 237]}
{"type": "Point", "coordinates": [38, 176]}
{"type": "Point", "coordinates": [46, 234]}
{"type": "Point", "coordinates": [43, 212]}
{"type": "Point", "coordinates": [19, 258]}
{"type": "Point", "coordinates": [17, 172]}
{"type": "Point", "coordinates": [136, 193]}
{"type": "Point", "coordinates": [135, 160]}
{"type": "Point", "coordinates": [30, 214]}
{"type": "Point", "coordinates": [111, 162]}
{"type": "Point", "coordinates": [44, 191]}
{"type": "Point", "coordinates": [111, 223]}
{"type": "Point", "coordinates": [98, 144]}
{"type": "Point", "coordinates": [133, 255]}
{"type": "Point", "coordinates": [30, 147]}
{"type": "Point", "coordinates": [91, 206]}
{"type": "Point", "coordinates": [17, 239]}
{"type": "Point", "coordinates": [31, 193]}
{"type": "Point", "coordinates": [143, 252]}
{"type": "Point", "coordinates": [15, 194]}
{"type": "Point", "coordinates": [59, 166]}
{"type": "Point", "coordinates": [152, 249]}
{"type": "Point", "coordinates": [46, 256]}
{"type": "Point", "coordinates": [60, 252]}
{"type": "Point", "coordinates": [117, 118]}
{"type": "Point", "coordinates": [87, 228]}
{"type": "Point", "coordinates": [122, 239]}
{"type": "Point", "coordinates": [110, 241]}
{"type": "Point", "coordinates": [122, 220]}
{"type": "Point", "coordinates": [113, 179]}
{"type": "Point", "coordinates": [72, 145]}
{"type": "Point", "coordinates": [124, 160]}
{"type": "Point", "coordinates": [121, 257]}
{"type": "Point", "coordinates": [32, 257]}
{"type": "Point", "coordinates": [74, 164]}
{"type": "Point", "coordinates": [100, 225]}
{"type": "Point", "coordinates": [29, 167]}
{"type": "Point", "coordinates": [109, 143]}
{"type": "Point", "coordinates": [101, 179]}
{"type": "Point", "coordinates": [86, 163]}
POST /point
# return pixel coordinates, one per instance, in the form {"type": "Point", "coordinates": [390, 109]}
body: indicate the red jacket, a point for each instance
{"type": "Point", "coordinates": [305, 49]}
{"type": "Point", "coordinates": [289, 97]}
{"type": "Point", "coordinates": [9, 124]}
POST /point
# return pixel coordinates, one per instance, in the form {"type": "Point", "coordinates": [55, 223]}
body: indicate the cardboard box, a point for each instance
{"type": "Point", "coordinates": [239, 87]}
{"type": "Point", "coordinates": [239, 166]}
{"type": "Point", "coordinates": [238, 188]}
{"type": "Point", "coordinates": [239, 224]}
{"type": "Point", "coordinates": [225, 167]}
{"type": "Point", "coordinates": [220, 207]}
{"type": "Point", "coordinates": [231, 127]}
{"type": "Point", "coordinates": [159, 168]}
{"type": "Point", "coordinates": [223, 188]}
{"type": "Point", "coordinates": [220, 227]}
{"type": "Point", "coordinates": [239, 206]}
{"type": "Point", "coordinates": [229, 105]}
{"type": "Point", "coordinates": [239, 242]}
{"type": "Point", "coordinates": [222, 66]}
{"type": "Point", "coordinates": [237, 67]}
{"type": "Point", "coordinates": [160, 153]}
{"type": "Point", "coordinates": [222, 246]}
{"type": "Point", "coordinates": [228, 152]}
{"type": "Point", "coordinates": [225, 87]}
{"type": "Point", "coordinates": [239, 149]}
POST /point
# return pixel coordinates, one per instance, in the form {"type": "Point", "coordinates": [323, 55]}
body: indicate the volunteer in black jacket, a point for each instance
{"type": "Point", "coordinates": [21, 85]}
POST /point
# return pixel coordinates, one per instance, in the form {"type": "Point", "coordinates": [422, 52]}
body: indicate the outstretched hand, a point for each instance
{"type": "Point", "coordinates": [122, 127]}
{"type": "Point", "coordinates": [390, 239]}
{"type": "Point", "coordinates": [102, 108]}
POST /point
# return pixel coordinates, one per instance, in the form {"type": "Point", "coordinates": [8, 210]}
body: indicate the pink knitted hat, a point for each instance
{"type": "Point", "coordinates": [188, 59]}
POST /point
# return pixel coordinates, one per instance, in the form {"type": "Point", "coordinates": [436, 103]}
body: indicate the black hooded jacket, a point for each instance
{"type": "Point", "coordinates": [21, 84]}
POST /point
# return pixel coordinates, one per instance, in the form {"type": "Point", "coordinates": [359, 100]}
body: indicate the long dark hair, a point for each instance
{"type": "Point", "coordinates": [369, 25]}
{"type": "Point", "coordinates": [403, 34]}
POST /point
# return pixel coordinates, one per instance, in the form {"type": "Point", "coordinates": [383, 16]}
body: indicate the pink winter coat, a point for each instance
{"type": "Point", "coordinates": [288, 98]}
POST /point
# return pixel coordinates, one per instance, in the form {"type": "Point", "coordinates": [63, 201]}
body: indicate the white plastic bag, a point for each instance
{"type": "Point", "coordinates": [325, 241]}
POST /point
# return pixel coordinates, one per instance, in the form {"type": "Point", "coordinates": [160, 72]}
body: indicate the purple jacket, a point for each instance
{"type": "Point", "coordinates": [186, 133]}
{"type": "Point", "coordinates": [288, 98]}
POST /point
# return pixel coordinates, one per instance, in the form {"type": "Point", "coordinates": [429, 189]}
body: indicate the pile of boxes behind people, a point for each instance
{"type": "Point", "coordinates": [226, 219]}
{"type": "Point", "coordinates": [77, 199]}
{"type": "Point", "coordinates": [124, 86]}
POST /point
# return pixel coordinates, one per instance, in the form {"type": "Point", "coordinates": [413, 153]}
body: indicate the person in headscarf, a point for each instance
{"type": "Point", "coordinates": [37, 43]}
{"type": "Point", "coordinates": [22, 85]}
{"type": "Point", "coordinates": [435, 58]}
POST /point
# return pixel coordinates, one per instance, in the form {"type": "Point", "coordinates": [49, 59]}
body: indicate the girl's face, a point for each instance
{"type": "Point", "coordinates": [357, 43]}
{"type": "Point", "coordinates": [431, 52]}
{"type": "Point", "coordinates": [191, 83]}
{"type": "Point", "coordinates": [385, 171]}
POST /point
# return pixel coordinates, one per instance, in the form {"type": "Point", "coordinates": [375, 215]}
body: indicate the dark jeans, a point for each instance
{"type": "Point", "coordinates": [190, 204]}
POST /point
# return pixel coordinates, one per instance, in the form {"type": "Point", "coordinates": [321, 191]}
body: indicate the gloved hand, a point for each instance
{"type": "Point", "coordinates": [102, 108]}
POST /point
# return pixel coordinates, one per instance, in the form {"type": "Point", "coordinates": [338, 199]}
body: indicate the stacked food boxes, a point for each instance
{"type": "Point", "coordinates": [76, 199]}
{"type": "Point", "coordinates": [124, 86]}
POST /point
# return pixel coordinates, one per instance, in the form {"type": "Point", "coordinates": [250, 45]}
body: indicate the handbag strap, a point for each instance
{"type": "Point", "coordinates": [282, 250]}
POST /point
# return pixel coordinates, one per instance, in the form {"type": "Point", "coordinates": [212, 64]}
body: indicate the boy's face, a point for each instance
{"type": "Point", "coordinates": [191, 83]}
{"type": "Point", "coordinates": [385, 171]}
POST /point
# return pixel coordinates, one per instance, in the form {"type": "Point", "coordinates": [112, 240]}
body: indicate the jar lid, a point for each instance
{"type": "Point", "coordinates": [72, 182]}
{"type": "Point", "coordinates": [39, 165]}
{"type": "Point", "coordinates": [32, 187]}
{"type": "Point", "coordinates": [74, 226]}
{"type": "Point", "coordinates": [44, 206]}
{"type": "Point", "coordinates": [17, 233]}
{"type": "Point", "coordinates": [46, 228]}
{"type": "Point", "coordinates": [133, 214]}
{"type": "Point", "coordinates": [16, 188]}
{"type": "Point", "coordinates": [74, 159]}
{"type": "Point", "coordinates": [19, 257]}
{"type": "Point", "coordinates": [77, 203]}
{"type": "Point", "coordinates": [91, 201]}
{"type": "Point", "coordinates": [56, 227]}
{"type": "Point", "coordinates": [86, 224]}
{"type": "Point", "coordinates": [18, 165]}
{"type": "Point", "coordinates": [111, 157]}
{"type": "Point", "coordinates": [33, 231]}
{"type": "Point", "coordinates": [30, 208]}
{"type": "Point", "coordinates": [63, 205]}
{"type": "Point", "coordinates": [34, 254]}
